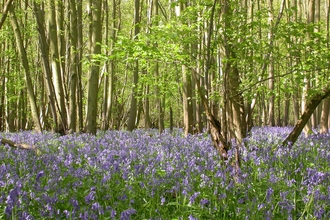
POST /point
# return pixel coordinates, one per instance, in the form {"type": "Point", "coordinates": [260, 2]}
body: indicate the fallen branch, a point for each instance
{"type": "Point", "coordinates": [310, 108]}
{"type": "Point", "coordinates": [15, 145]}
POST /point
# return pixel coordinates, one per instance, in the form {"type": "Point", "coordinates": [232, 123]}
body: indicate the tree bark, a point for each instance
{"type": "Point", "coordinates": [324, 128]}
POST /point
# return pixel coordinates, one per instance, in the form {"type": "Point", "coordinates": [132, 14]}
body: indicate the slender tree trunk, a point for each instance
{"type": "Point", "coordinates": [160, 104]}
{"type": "Point", "coordinates": [73, 67]}
{"type": "Point", "coordinates": [9, 110]}
{"type": "Point", "coordinates": [104, 118]}
{"type": "Point", "coordinates": [285, 120]}
{"type": "Point", "coordinates": [133, 109]}
{"type": "Point", "coordinates": [45, 60]}
{"type": "Point", "coordinates": [187, 102]}
{"type": "Point", "coordinates": [2, 105]}
{"type": "Point", "coordinates": [112, 68]}
{"type": "Point", "coordinates": [95, 7]}
{"type": "Point", "coordinates": [147, 122]}
{"type": "Point", "coordinates": [55, 64]}
{"type": "Point", "coordinates": [25, 63]}
{"type": "Point", "coordinates": [271, 74]}
{"type": "Point", "coordinates": [187, 87]}
{"type": "Point", "coordinates": [325, 119]}
{"type": "Point", "coordinates": [324, 128]}
{"type": "Point", "coordinates": [80, 111]}
{"type": "Point", "coordinates": [310, 19]}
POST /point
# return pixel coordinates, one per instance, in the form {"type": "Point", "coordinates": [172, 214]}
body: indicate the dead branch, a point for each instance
{"type": "Point", "coordinates": [19, 146]}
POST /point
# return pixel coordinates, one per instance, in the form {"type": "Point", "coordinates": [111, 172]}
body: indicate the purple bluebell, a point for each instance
{"type": "Point", "coordinates": [126, 214]}
{"type": "Point", "coordinates": [193, 197]}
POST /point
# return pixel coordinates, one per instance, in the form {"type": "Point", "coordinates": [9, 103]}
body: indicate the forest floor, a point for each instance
{"type": "Point", "coordinates": [144, 175]}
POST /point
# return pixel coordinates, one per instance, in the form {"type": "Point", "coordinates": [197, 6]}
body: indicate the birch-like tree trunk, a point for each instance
{"type": "Point", "coordinates": [105, 69]}
{"type": "Point", "coordinates": [271, 74]}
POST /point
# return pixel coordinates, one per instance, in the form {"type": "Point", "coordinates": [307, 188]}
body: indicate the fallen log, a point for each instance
{"type": "Point", "coordinates": [15, 145]}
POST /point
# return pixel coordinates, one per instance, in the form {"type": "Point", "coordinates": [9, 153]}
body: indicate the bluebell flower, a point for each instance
{"type": "Point", "coordinates": [319, 212]}
{"type": "Point", "coordinates": [12, 199]}
{"type": "Point", "coordinates": [261, 206]}
{"type": "Point", "coordinates": [2, 184]}
{"type": "Point", "coordinates": [39, 175]}
{"type": "Point", "coordinates": [269, 194]}
{"type": "Point", "coordinates": [193, 197]}
{"type": "Point", "coordinates": [126, 214]}
{"type": "Point", "coordinates": [67, 213]}
{"type": "Point", "coordinates": [113, 213]}
{"type": "Point", "coordinates": [84, 215]}
{"type": "Point", "coordinates": [90, 197]}
{"type": "Point", "coordinates": [191, 217]}
{"type": "Point", "coordinates": [204, 202]}
{"type": "Point", "coordinates": [162, 200]}
{"type": "Point", "coordinates": [25, 216]}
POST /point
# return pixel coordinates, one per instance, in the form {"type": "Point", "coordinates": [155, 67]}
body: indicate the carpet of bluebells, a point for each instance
{"type": "Point", "coordinates": [144, 175]}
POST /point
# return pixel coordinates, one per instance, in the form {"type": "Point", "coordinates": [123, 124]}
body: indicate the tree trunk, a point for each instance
{"type": "Point", "coordinates": [325, 119]}
{"type": "Point", "coordinates": [324, 116]}
{"type": "Point", "coordinates": [45, 61]}
{"type": "Point", "coordinates": [285, 120]}
{"type": "Point", "coordinates": [271, 101]}
{"type": "Point", "coordinates": [55, 65]}
{"type": "Point", "coordinates": [9, 114]}
{"type": "Point", "coordinates": [80, 111]}
{"type": "Point", "coordinates": [133, 109]}
{"type": "Point", "coordinates": [95, 7]}
{"type": "Point", "coordinates": [73, 67]}
{"type": "Point", "coordinates": [25, 62]}
{"type": "Point", "coordinates": [2, 101]}
{"type": "Point", "coordinates": [310, 19]}
{"type": "Point", "coordinates": [187, 102]}
{"type": "Point", "coordinates": [105, 69]}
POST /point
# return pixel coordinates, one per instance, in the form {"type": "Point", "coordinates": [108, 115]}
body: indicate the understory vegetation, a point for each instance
{"type": "Point", "coordinates": [147, 175]}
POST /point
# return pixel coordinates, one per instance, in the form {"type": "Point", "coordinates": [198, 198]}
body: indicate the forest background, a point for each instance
{"type": "Point", "coordinates": [70, 66]}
